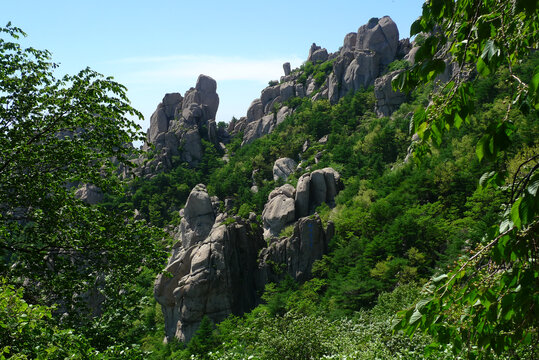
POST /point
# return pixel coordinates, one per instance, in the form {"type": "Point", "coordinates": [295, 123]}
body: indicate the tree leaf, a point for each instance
{"type": "Point", "coordinates": [416, 316]}
{"type": "Point", "coordinates": [515, 213]}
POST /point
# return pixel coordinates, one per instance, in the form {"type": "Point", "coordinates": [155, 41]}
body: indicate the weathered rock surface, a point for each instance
{"type": "Point", "coordinates": [286, 68]}
{"type": "Point", "coordinates": [89, 193]}
{"type": "Point", "coordinates": [285, 206]}
{"type": "Point", "coordinates": [179, 124]}
{"type": "Point", "coordinates": [387, 100]}
{"type": "Point", "coordinates": [363, 57]}
{"type": "Point", "coordinates": [283, 167]}
{"type": "Point", "coordinates": [213, 268]}
{"type": "Point", "coordinates": [198, 217]}
{"type": "Point", "coordinates": [279, 211]}
{"type": "Point", "coordinates": [217, 269]}
{"type": "Point", "coordinates": [295, 255]}
{"type": "Point", "coordinates": [380, 36]}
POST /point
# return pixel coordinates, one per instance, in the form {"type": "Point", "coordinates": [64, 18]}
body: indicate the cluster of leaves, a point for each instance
{"type": "Point", "coordinates": [302, 334]}
{"type": "Point", "coordinates": [488, 303]}
{"type": "Point", "coordinates": [56, 134]}
{"type": "Point", "coordinates": [319, 71]}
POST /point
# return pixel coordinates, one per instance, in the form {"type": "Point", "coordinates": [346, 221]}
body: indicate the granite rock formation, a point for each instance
{"type": "Point", "coordinates": [217, 268]}
{"type": "Point", "coordinates": [283, 168]}
{"type": "Point", "coordinates": [213, 269]}
{"type": "Point", "coordinates": [286, 204]}
{"type": "Point", "coordinates": [363, 58]}
{"type": "Point", "coordinates": [178, 126]}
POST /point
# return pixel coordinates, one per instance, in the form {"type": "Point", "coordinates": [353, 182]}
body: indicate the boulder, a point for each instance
{"type": "Point", "coordinates": [283, 167]}
{"type": "Point", "coordinates": [255, 111]}
{"type": "Point", "coordinates": [278, 212]}
{"type": "Point", "coordinates": [320, 186]}
{"type": "Point", "coordinates": [380, 36]}
{"type": "Point", "coordinates": [165, 112]}
{"type": "Point", "coordinates": [349, 43]}
{"type": "Point", "coordinates": [286, 68]}
{"type": "Point", "coordinates": [258, 128]}
{"type": "Point", "coordinates": [302, 195]}
{"type": "Point", "coordinates": [286, 190]}
{"type": "Point", "coordinates": [171, 104]}
{"type": "Point", "coordinates": [314, 48]}
{"type": "Point", "coordinates": [282, 114]}
{"type": "Point", "coordinates": [207, 88]}
{"type": "Point", "coordinates": [158, 125]}
{"type": "Point", "coordinates": [287, 91]}
{"type": "Point", "coordinates": [387, 100]}
{"type": "Point", "coordinates": [318, 189]}
{"type": "Point", "coordinates": [269, 93]}
{"type": "Point", "coordinates": [319, 55]}
{"type": "Point", "coordinates": [198, 217]}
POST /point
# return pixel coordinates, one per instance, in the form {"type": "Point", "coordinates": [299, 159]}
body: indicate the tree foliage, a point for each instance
{"type": "Point", "coordinates": [55, 135]}
{"type": "Point", "coordinates": [489, 302]}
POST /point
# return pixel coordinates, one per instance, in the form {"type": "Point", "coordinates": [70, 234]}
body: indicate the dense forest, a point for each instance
{"type": "Point", "coordinates": [434, 253]}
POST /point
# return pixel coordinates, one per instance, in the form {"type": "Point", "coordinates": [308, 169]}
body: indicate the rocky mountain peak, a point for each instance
{"type": "Point", "coordinates": [178, 126]}
{"type": "Point", "coordinates": [220, 267]}
{"type": "Point", "coordinates": [363, 58]}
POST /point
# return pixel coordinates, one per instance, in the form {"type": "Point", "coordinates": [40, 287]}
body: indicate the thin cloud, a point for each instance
{"type": "Point", "coordinates": [177, 67]}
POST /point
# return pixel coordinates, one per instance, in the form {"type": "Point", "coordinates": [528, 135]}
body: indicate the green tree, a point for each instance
{"type": "Point", "coordinates": [489, 303]}
{"type": "Point", "coordinates": [56, 134]}
{"type": "Point", "coordinates": [204, 341]}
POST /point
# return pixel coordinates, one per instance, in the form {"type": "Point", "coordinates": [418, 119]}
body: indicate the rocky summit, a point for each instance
{"type": "Point", "coordinates": [360, 62]}
{"type": "Point", "coordinates": [179, 124]}
{"type": "Point", "coordinates": [220, 263]}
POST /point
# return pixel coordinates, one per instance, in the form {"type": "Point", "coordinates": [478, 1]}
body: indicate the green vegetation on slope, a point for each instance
{"type": "Point", "coordinates": [398, 223]}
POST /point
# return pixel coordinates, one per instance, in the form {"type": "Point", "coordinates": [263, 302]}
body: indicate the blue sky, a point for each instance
{"type": "Point", "coordinates": [155, 47]}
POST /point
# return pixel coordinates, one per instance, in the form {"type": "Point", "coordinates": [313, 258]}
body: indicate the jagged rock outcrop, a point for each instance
{"type": "Point", "coordinates": [179, 124]}
{"type": "Point", "coordinates": [363, 57]}
{"type": "Point", "coordinates": [387, 100]}
{"type": "Point", "coordinates": [198, 217]}
{"type": "Point", "coordinates": [216, 269]}
{"type": "Point", "coordinates": [214, 272]}
{"type": "Point", "coordinates": [320, 186]}
{"type": "Point", "coordinates": [283, 168]}
{"type": "Point", "coordinates": [380, 36]}
{"type": "Point", "coordinates": [286, 68]}
{"type": "Point", "coordinates": [295, 255]}
{"type": "Point", "coordinates": [286, 204]}
{"type": "Point", "coordinates": [279, 211]}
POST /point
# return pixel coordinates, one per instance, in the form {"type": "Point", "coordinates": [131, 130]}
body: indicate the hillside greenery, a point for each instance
{"type": "Point", "coordinates": [435, 247]}
{"type": "Point", "coordinates": [398, 223]}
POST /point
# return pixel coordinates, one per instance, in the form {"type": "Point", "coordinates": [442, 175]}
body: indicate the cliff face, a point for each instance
{"type": "Point", "coordinates": [179, 124]}
{"type": "Point", "coordinates": [364, 56]}
{"type": "Point", "coordinates": [219, 267]}
{"type": "Point", "coordinates": [221, 264]}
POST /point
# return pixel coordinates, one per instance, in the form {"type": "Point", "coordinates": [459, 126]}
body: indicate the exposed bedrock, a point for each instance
{"type": "Point", "coordinates": [218, 268]}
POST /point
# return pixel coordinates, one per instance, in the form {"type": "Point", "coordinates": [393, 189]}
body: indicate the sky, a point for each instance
{"type": "Point", "coordinates": [158, 47]}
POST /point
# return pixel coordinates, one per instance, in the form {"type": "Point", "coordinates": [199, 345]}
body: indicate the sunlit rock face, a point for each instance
{"type": "Point", "coordinates": [211, 271]}
{"type": "Point", "coordinates": [220, 267]}
{"type": "Point", "coordinates": [178, 126]}
{"type": "Point", "coordinates": [363, 58]}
